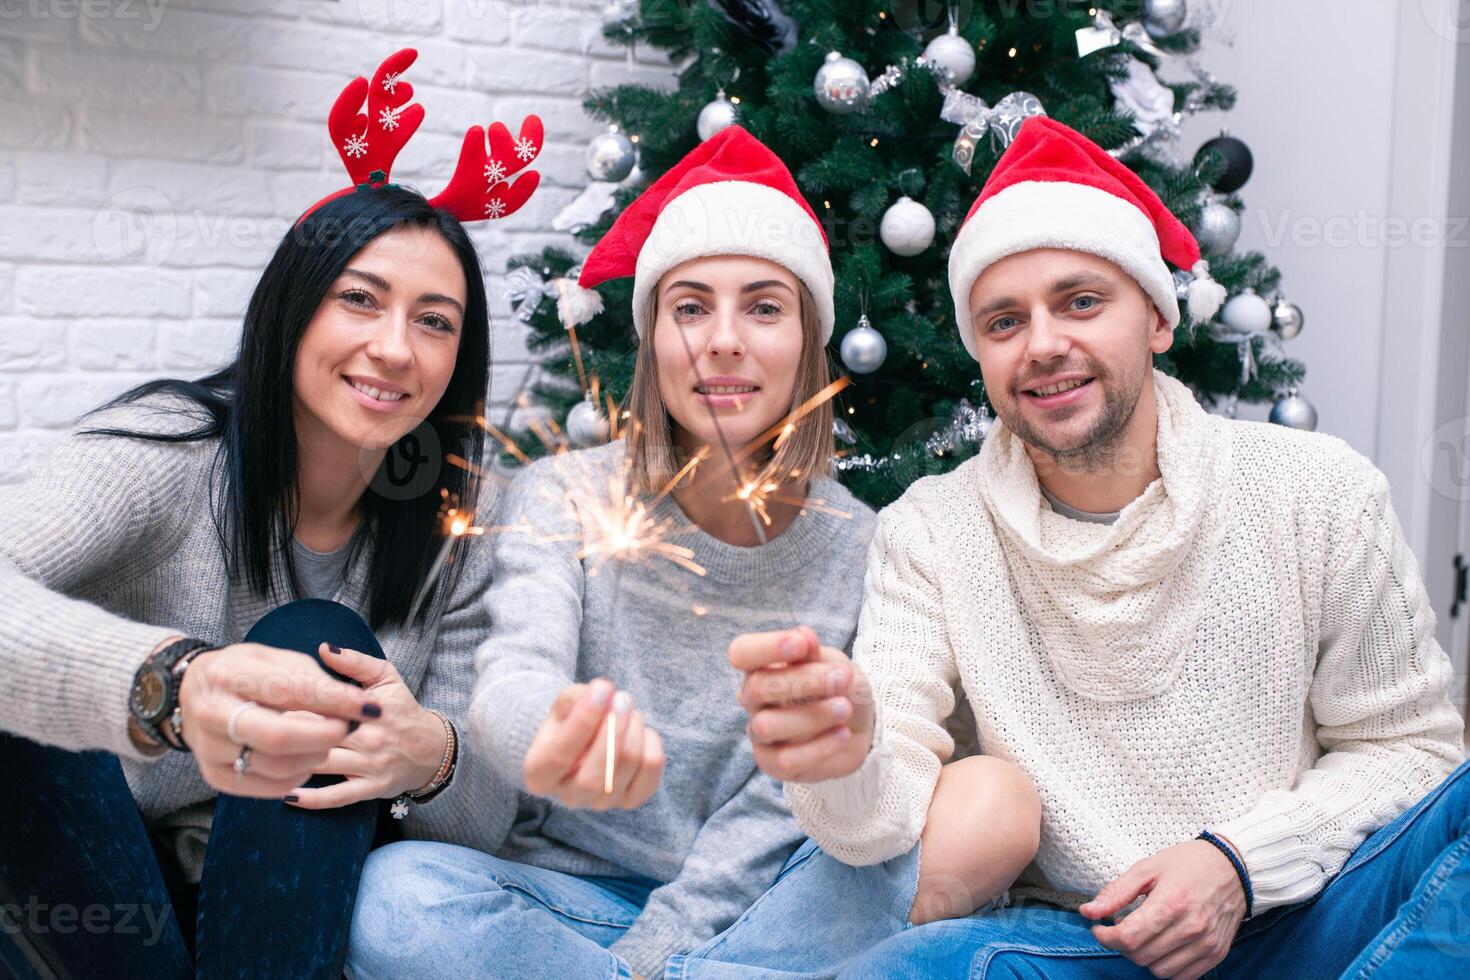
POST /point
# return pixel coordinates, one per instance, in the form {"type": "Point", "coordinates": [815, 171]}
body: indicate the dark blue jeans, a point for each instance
{"type": "Point", "coordinates": [1399, 907]}
{"type": "Point", "coordinates": [85, 891]}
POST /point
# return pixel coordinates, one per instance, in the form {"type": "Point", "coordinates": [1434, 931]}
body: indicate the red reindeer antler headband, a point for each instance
{"type": "Point", "coordinates": [368, 143]}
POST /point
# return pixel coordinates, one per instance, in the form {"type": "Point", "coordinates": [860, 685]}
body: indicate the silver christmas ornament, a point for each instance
{"type": "Point", "coordinates": [1217, 229]}
{"type": "Point", "coordinates": [864, 349]}
{"type": "Point", "coordinates": [1164, 17]}
{"type": "Point", "coordinates": [907, 227]}
{"type": "Point", "coordinates": [954, 54]}
{"type": "Point", "coordinates": [841, 85]}
{"type": "Point", "coordinates": [1287, 319]}
{"type": "Point", "coordinates": [718, 114]}
{"type": "Point", "coordinates": [1246, 313]}
{"type": "Point", "coordinates": [1294, 412]}
{"type": "Point", "coordinates": [586, 424]}
{"type": "Point", "coordinates": [611, 155]}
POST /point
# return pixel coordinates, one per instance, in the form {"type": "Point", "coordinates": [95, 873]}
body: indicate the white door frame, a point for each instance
{"type": "Point", "coordinates": [1425, 370]}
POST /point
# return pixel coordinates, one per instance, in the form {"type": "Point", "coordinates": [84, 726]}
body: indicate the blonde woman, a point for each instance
{"type": "Point", "coordinates": [615, 865]}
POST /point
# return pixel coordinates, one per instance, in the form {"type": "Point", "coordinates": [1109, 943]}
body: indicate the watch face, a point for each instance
{"type": "Point", "coordinates": [150, 692]}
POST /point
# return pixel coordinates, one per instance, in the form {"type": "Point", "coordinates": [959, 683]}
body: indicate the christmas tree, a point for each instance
{"type": "Point", "coordinates": [891, 115]}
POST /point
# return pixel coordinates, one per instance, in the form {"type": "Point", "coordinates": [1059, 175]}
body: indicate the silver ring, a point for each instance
{"type": "Point", "coordinates": [242, 764]}
{"type": "Point", "coordinates": [230, 728]}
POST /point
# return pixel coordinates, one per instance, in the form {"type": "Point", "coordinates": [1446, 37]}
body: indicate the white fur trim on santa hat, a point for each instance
{"type": "Point", "coordinates": [735, 217]}
{"type": "Point", "coordinates": [1053, 214]}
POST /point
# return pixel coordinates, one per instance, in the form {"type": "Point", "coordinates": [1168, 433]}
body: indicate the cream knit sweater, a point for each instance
{"type": "Point", "coordinates": [1249, 648]}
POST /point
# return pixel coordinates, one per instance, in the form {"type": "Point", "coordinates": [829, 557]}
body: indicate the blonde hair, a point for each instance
{"type": "Point", "coordinates": [653, 456]}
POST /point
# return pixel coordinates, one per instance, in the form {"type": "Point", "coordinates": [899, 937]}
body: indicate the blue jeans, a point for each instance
{"type": "Point", "coordinates": [1400, 907]}
{"type": "Point", "coordinates": [85, 891]}
{"type": "Point", "coordinates": [431, 909]}
{"type": "Point", "coordinates": [818, 915]}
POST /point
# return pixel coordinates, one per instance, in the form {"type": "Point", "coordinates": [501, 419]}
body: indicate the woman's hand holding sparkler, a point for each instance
{"type": "Point", "coordinates": [594, 751]}
{"type": "Point", "coordinates": [811, 708]}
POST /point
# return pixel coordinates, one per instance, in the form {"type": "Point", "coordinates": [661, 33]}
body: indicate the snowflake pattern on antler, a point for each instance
{"type": "Point", "coordinates": [355, 147]}
{"type": "Point", "coordinates": [491, 180]}
{"type": "Point", "coordinates": [388, 118]}
{"type": "Point", "coordinates": [390, 81]}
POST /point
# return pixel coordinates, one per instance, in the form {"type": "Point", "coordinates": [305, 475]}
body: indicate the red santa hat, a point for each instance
{"type": "Point", "coordinates": [730, 195]}
{"type": "Point", "coordinates": [1055, 188]}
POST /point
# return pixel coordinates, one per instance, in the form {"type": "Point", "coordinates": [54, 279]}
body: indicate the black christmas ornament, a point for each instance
{"type": "Point", "coordinates": [1238, 162]}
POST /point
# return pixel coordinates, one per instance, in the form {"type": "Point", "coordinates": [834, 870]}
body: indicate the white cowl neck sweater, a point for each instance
{"type": "Point", "coordinates": [1249, 648]}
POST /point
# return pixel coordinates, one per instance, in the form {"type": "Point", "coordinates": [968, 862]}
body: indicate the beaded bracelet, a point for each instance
{"type": "Point", "coordinates": [441, 778]}
{"type": "Point", "coordinates": [446, 765]}
{"type": "Point", "coordinates": [1235, 861]}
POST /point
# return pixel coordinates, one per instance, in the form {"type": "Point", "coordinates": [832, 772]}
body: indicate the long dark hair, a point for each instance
{"type": "Point", "coordinates": [248, 406]}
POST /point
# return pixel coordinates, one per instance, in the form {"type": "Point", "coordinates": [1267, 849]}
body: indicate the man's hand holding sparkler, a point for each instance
{"type": "Point", "coordinates": [811, 708]}
{"type": "Point", "coordinates": [594, 751]}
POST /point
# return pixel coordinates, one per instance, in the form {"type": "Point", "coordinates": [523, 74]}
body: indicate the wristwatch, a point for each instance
{"type": "Point", "coordinates": [154, 700]}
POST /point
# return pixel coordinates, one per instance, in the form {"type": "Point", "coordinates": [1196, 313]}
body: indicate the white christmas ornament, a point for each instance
{"type": "Point", "coordinates": [1247, 313]}
{"type": "Point", "coordinates": [953, 53]}
{"type": "Point", "coordinates": [907, 227]}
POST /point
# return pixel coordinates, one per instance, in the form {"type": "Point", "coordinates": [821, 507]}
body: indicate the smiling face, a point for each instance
{"type": "Point", "coordinates": [1064, 341]}
{"type": "Point", "coordinates": [727, 341]}
{"type": "Point", "coordinates": [380, 350]}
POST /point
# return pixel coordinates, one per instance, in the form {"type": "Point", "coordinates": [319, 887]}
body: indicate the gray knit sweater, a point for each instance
{"type": "Point", "coordinates": [110, 547]}
{"type": "Point", "coordinates": [717, 831]}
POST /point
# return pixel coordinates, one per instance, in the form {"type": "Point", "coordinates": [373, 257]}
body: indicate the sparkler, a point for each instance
{"type": "Point", "coordinates": [612, 747]}
{"type": "Point", "coordinates": [456, 524]}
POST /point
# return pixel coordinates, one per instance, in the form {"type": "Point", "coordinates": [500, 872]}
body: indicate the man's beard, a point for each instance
{"type": "Point", "coordinates": [1099, 446]}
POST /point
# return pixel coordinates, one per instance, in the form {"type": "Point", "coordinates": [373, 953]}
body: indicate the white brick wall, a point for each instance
{"type": "Point", "coordinates": [152, 152]}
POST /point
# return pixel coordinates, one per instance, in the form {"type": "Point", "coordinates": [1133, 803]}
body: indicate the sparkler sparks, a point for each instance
{"type": "Point", "coordinates": [455, 524]}
{"type": "Point", "coordinates": [611, 523]}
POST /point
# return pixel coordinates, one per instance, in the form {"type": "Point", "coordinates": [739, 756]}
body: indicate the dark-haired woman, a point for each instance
{"type": "Point", "coordinates": [139, 568]}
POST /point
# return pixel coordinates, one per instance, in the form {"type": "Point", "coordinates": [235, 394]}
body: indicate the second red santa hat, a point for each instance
{"type": "Point", "coordinates": [1055, 188]}
{"type": "Point", "coordinates": [730, 195]}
